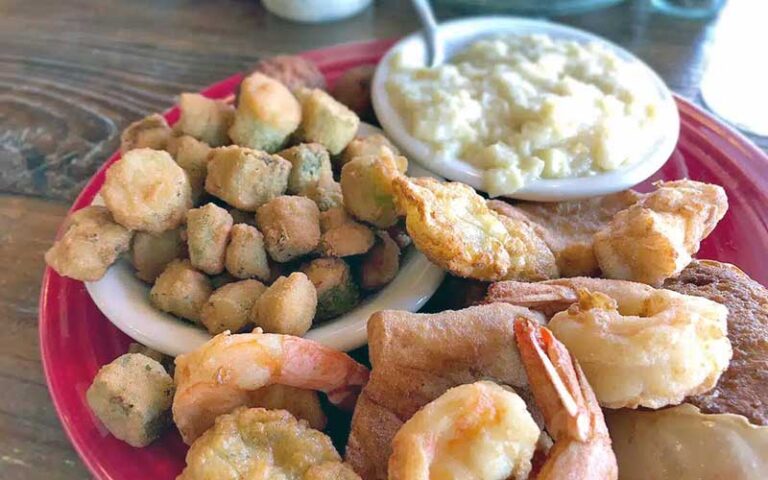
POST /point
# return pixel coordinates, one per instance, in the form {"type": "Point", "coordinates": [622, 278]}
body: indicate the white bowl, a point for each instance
{"type": "Point", "coordinates": [124, 300]}
{"type": "Point", "coordinates": [457, 34]}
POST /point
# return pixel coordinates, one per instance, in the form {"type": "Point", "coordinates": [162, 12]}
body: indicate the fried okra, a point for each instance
{"type": "Point", "coordinates": [208, 230]}
{"type": "Point", "coordinates": [353, 89]}
{"type": "Point", "coordinates": [191, 155]}
{"type": "Point", "coordinates": [92, 241]}
{"type": "Point", "coordinates": [331, 471]}
{"type": "Point", "coordinates": [366, 183]}
{"type": "Point", "coordinates": [151, 252]}
{"type": "Point", "coordinates": [309, 162]}
{"type": "Point", "coordinates": [342, 236]}
{"type": "Point", "coordinates": [337, 293]}
{"type": "Point", "coordinates": [246, 256]}
{"type": "Point", "coordinates": [380, 264]}
{"type": "Point", "coordinates": [376, 145]}
{"type": "Point", "coordinates": [246, 178]}
{"type": "Point", "coordinates": [149, 132]}
{"type": "Point", "coordinates": [147, 191]}
{"type": "Point", "coordinates": [292, 71]}
{"type": "Point", "coordinates": [287, 306]}
{"type": "Point", "coordinates": [229, 307]}
{"type": "Point", "coordinates": [326, 193]}
{"type": "Point", "coordinates": [326, 121]}
{"type": "Point", "coordinates": [302, 404]}
{"type": "Point", "coordinates": [132, 397]}
{"type": "Point", "coordinates": [291, 227]}
{"type": "Point", "coordinates": [181, 290]}
{"type": "Point", "coordinates": [267, 113]}
{"type": "Point", "coordinates": [205, 119]}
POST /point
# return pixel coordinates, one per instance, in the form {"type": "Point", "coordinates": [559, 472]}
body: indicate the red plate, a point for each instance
{"type": "Point", "coordinates": [76, 339]}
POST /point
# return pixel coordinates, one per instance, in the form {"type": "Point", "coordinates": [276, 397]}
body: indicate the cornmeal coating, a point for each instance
{"type": "Point", "coordinates": [363, 146]}
{"type": "Point", "coordinates": [309, 162]}
{"type": "Point", "coordinates": [205, 119]}
{"type": "Point", "coordinates": [150, 132]}
{"type": "Point", "coordinates": [302, 404]}
{"type": "Point", "coordinates": [208, 230]}
{"type": "Point", "coordinates": [337, 292]}
{"type": "Point", "coordinates": [246, 256]}
{"type": "Point", "coordinates": [287, 306]}
{"type": "Point", "coordinates": [342, 236]}
{"type": "Point", "coordinates": [181, 290]}
{"type": "Point", "coordinates": [229, 307]}
{"type": "Point", "coordinates": [366, 183]}
{"type": "Point", "coordinates": [291, 227]}
{"type": "Point", "coordinates": [192, 155]}
{"type": "Point", "coordinates": [325, 120]}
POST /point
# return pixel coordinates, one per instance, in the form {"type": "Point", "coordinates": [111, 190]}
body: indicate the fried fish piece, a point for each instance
{"type": "Point", "coordinates": [743, 387]}
{"type": "Point", "coordinates": [452, 225]}
{"type": "Point", "coordinates": [655, 238]}
{"type": "Point", "coordinates": [418, 357]}
{"type": "Point", "coordinates": [568, 227]}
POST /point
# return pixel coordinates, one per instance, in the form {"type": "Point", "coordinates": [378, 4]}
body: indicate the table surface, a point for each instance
{"type": "Point", "coordinates": [73, 74]}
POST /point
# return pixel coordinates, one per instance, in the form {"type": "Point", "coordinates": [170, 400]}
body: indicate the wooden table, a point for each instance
{"type": "Point", "coordinates": [74, 73]}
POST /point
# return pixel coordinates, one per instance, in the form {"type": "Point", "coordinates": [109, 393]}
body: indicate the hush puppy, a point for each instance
{"type": "Point", "coordinates": [191, 155]}
{"type": "Point", "coordinates": [208, 230]}
{"type": "Point", "coordinates": [181, 290]}
{"type": "Point", "coordinates": [287, 306]}
{"type": "Point", "coordinates": [205, 119]}
{"type": "Point", "coordinates": [246, 256]}
{"type": "Point", "coordinates": [291, 227]}
{"type": "Point", "coordinates": [246, 178]}
{"type": "Point", "coordinates": [92, 241]}
{"type": "Point", "coordinates": [149, 132]}
{"type": "Point", "coordinates": [326, 121]}
{"type": "Point", "coordinates": [151, 252]}
{"type": "Point", "coordinates": [366, 183]}
{"type": "Point", "coordinates": [309, 162]}
{"type": "Point", "coordinates": [337, 293]}
{"type": "Point", "coordinates": [229, 307]}
{"type": "Point", "coordinates": [146, 190]}
{"type": "Point", "coordinates": [132, 397]}
{"type": "Point", "coordinates": [267, 113]}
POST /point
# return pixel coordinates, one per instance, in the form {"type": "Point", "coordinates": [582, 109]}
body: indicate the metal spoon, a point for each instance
{"type": "Point", "coordinates": [435, 50]}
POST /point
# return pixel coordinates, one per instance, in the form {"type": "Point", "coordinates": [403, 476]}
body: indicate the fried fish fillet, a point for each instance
{"type": "Point", "coordinates": [568, 227]}
{"type": "Point", "coordinates": [743, 387]}
{"type": "Point", "coordinates": [452, 225]}
{"type": "Point", "coordinates": [416, 358]}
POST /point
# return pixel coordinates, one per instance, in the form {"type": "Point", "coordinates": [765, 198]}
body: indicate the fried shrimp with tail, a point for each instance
{"type": "Point", "coordinates": [582, 448]}
{"type": "Point", "coordinates": [222, 375]}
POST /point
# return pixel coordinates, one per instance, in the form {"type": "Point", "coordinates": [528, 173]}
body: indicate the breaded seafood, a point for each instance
{"type": "Point", "coordinates": [267, 113]}
{"type": "Point", "coordinates": [452, 225]}
{"type": "Point", "coordinates": [221, 374]}
{"type": "Point", "coordinates": [146, 190]}
{"type": "Point", "coordinates": [416, 358]}
{"type": "Point", "coordinates": [255, 443]}
{"type": "Point", "coordinates": [639, 346]}
{"type": "Point", "coordinates": [132, 397]}
{"type": "Point", "coordinates": [151, 253]}
{"type": "Point", "coordinates": [568, 227]}
{"type": "Point", "coordinates": [91, 242]}
{"type": "Point", "coordinates": [743, 387]}
{"type": "Point", "coordinates": [301, 403]}
{"type": "Point", "coordinates": [208, 230]}
{"type": "Point", "coordinates": [181, 290]}
{"type": "Point", "coordinates": [326, 121]}
{"type": "Point", "coordinates": [655, 238]}
{"type": "Point", "coordinates": [150, 132]}
{"type": "Point", "coordinates": [229, 306]}
{"type": "Point", "coordinates": [205, 119]}
{"type": "Point", "coordinates": [245, 178]}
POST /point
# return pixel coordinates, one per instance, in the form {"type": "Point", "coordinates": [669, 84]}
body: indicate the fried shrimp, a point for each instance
{"type": "Point", "coordinates": [220, 376]}
{"type": "Point", "coordinates": [474, 431]}
{"type": "Point", "coordinates": [573, 418]}
{"type": "Point", "coordinates": [654, 239]}
{"type": "Point", "coordinates": [258, 444]}
{"type": "Point", "coordinates": [639, 346]}
{"type": "Point", "coordinates": [455, 229]}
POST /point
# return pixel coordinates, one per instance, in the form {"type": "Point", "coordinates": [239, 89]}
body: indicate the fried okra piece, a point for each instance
{"type": "Point", "coordinates": [181, 290]}
{"type": "Point", "coordinates": [192, 155]}
{"type": "Point", "coordinates": [326, 121]}
{"type": "Point", "coordinates": [309, 162]}
{"type": "Point", "coordinates": [353, 89]}
{"type": "Point", "coordinates": [287, 306]}
{"type": "Point", "coordinates": [229, 307]}
{"type": "Point", "coordinates": [380, 264]}
{"type": "Point", "coordinates": [132, 397]}
{"type": "Point", "coordinates": [291, 227]}
{"type": "Point", "coordinates": [92, 241]}
{"type": "Point", "coordinates": [149, 132]}
{"type": "Point", "coordinates": [267, 114]}
{"type": "Point", "coordinates": [147, 191]}
{"type": "Point", "coordinates": [342, 236]}
{"type": "Point", "coordinates": [152, 252]}
{"type": "Point", "coordinates": [245, 178]}
{"type": "Point", "coordinates": [326, 193]}
{"type": "Point", "coordinates": [246, 256]}
{"type": "Point", "coordinates": [302, 404]}
{"type": "Point", "coordinates": [337, 292]}
{"type": "Point", "coordinates": [331, 471]}
{"type": "Point", "coordinates": [366, 183]}
{"type": "Point", "coordinates": [205, 119]}
{"type": "Point", "coordinates": [377, 145]}
{"type": "Point", "coordinates": [208, 230]}
{"type": "Point", "coordinates": [292, 71]}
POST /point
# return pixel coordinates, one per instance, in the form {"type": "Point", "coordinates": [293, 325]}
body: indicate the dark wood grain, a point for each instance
{"type": "Point", "coordinates": [74, 73]}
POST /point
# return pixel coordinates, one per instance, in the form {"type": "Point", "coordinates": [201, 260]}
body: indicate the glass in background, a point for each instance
{"type": "Point", "coordinates": [689, 8]}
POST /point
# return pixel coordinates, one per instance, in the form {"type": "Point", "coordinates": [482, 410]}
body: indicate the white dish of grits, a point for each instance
{"type": "Point", "coordinates": [527, 109]}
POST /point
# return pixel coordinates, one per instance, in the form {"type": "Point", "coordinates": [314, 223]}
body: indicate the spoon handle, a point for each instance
{"type": "Point", "coordinates": [429, 25]}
